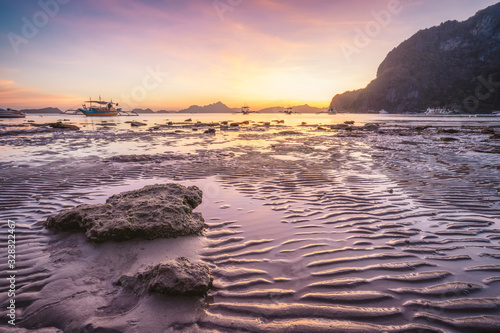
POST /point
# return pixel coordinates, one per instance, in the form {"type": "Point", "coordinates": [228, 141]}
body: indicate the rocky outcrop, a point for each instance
{"type": "Point", "coordinates": [63, 126]}
{"type": "Point", "coordinates": [155, 211]}
{"type": "Point", "coordinates": [454, 64]}
{"type": "Point", "coordinates": [178, 277]}
{"type": "Point", "coordinates": [137, 123]}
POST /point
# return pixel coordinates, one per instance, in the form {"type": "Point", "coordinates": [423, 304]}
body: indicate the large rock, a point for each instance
{"type": "Point", "coordinates": [155, 211]}
{"type": "Point", "coordinates": [178, 277]}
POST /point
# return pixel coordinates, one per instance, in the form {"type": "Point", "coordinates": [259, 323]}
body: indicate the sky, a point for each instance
{"type": "Point", "coordinates": [170, 54]}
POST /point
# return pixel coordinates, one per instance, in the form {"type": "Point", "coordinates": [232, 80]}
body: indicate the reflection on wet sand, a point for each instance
{"type": "Point", "coordinates": [311, 228]}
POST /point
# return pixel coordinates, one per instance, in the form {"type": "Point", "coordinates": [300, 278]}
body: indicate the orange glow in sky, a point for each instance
{"type": "Point", "coordinates": [170, 54]}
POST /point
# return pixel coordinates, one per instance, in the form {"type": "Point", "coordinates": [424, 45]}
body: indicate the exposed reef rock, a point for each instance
{"type": "Point", "coordinates": [454, 64]}
{"type": "Point", "coordinates": [61, 125]}
{"type": "Point", "coordinates": [155, 211]}
{"type": "Point", "coordinates": [137, 123]}
{"type": "Point", "coordinates": [178, 277]}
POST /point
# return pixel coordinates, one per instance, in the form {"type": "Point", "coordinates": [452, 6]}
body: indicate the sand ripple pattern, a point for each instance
{"type": "Point", "coordinates": [357, 245]}
{"type": "Point", "coordinates": [329, 232]}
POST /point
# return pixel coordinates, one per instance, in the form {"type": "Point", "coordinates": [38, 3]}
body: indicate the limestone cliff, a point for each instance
{"type": "Point", "coordinates": [455, 64]}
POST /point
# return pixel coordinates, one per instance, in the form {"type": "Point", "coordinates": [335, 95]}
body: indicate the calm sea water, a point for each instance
{"type": "Point", "coordinates": [290, 120]}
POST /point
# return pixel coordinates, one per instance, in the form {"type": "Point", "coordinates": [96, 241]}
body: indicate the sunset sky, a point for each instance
{"type": "Point", "coordinates": [170, 54]}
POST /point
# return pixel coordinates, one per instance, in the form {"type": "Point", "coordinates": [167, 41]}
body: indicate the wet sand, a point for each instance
{"type": "Point", "coordinates": [312, 228]}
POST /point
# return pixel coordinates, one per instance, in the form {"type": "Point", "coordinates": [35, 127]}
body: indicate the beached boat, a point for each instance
{"type": "Point", "coordinates": [102, 109]}
{"type": "Point", "coordinates": [9, 113]}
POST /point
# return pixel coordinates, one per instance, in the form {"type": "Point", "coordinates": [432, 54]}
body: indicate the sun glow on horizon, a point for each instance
{"type": "Point", "coordinates": [168, 55]}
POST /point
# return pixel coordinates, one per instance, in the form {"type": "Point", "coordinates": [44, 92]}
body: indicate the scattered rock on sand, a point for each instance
{"type": "Point", "coordinates": [339, 126]}
{"type": "Point", "coordinates": [487, 149]}
{"type": "Point", "coordinates": [155, 211]}
{"type": "Point", "coordinates": [370, 127]}
{"type": "Point", "coordinates": [178, 277]}
{"type": "Point", "coordinates": [63, 126]}
{"type": "Point", "coordinates": [487, 130]}
{"type": "Point", "coordinates": [421, 128]}
{"type": "Point", "coordinates": [210, 131]}
{"type": "Point", "coordinates": [289, 133]}
{"type": "Point", "coordinates": [447, 139]}
{"type": "Point", "coordinates": [137, 123]}
{"type": "Point", "coordinates": [449, 131]}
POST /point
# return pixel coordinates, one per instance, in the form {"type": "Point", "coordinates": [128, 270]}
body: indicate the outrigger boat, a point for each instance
{"type": "Point", "coordinates": [330, 110]}
{"type": "Point", "coordinates": [9, 113]}
{"type": "Point", "coordinates": [100, 108]}
{"type": "Point", "coordinates": [103, 108]}
{"type": "Point", "coordinates": [246, 110]}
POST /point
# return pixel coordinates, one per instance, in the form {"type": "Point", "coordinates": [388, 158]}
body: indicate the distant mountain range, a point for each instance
{"type": "Point", "coordinates": [44, 110]}
{"type": "Point", "coordinates": [218, 107]}
{"type": "Point", "coordinates": [454, 65]}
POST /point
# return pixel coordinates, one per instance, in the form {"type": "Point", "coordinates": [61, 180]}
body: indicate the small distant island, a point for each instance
{"type": "Point", "coordinates": [454, 65]}
{"type": "Point", "coordinates": [44, 110]}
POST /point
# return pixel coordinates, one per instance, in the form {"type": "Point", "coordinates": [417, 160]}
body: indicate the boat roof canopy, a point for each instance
{"type": "Point", "coordinates": [99, 102]}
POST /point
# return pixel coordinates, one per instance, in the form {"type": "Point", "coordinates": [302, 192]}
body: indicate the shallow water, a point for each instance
{"type": "Point", "coordinates": [311, 229]}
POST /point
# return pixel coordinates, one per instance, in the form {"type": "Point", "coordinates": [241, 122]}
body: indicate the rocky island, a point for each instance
{"type": "Point", "coordinates": [453, 65]}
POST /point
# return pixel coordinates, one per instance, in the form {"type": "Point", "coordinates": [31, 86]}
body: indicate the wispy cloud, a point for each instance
{"type": "Point", "coordinates": [103, 47]}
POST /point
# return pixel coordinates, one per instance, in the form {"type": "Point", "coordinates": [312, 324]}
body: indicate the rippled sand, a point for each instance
{"type": "Point", "coordinates": [311, 228]}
